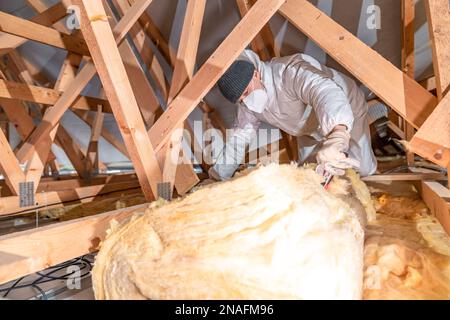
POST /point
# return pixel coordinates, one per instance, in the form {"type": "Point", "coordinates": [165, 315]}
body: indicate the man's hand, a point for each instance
{"type": "Point", "coordinates": [331, 157]}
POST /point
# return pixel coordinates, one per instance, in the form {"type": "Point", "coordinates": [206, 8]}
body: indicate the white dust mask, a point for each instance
{"type": "Point", "coordinates": [257, 100]}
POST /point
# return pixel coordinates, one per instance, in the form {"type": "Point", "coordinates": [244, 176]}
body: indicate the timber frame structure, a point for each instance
{"type": "Point", "coordinates": [99, 47]}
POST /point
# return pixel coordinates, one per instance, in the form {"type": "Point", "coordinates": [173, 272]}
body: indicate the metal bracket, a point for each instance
{"type": "Point", "coordinates": [164, 191]}
{"type": "Point", "coordinates": [26, 194]}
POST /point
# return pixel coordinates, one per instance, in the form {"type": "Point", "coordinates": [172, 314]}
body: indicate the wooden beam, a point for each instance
{"type": "Point", "coordinates": [39, 159]}
{"type": "Point", "coordinates": [72, 182]}
{"type": "Point", "coordinates": [258, 44]}
{"type": "Point", "coordinates": [183, 72]}
{"type": "Point", "coordinates": [395, 88]}
{"type": "Point", "coordinates": [186, 178]}
{"type": "Point", "coordinates": [143, 91]}
{"type": "Point", "coordinates": [33, 250]}
{"type": "Point", "coordinates": [34, 31]}
{"type": "Point", "coordinates": [155, 34]}
{"type": "Point", "coordinates": [438, 13]}
{"type": "Point", "coordinates": [68, 97]}
{"type": "Point", "coordinates": [432, 140]}
{"type": "Point", "coordinates": [20, 91]}
{"type": "Point", "coordinates": [429, 83]}
{"type": "Point", "coordinates": [408, 33]}
{"type": "Point", "coordinates": [10, 205]}
{"type": "Point", "coordinates": [212, 70]}
{"type": "Point", "coordinates": [92, 154]}
{"type": "Point", "coordinates": [144, 46]}
{"type": "Point", "coordinates": [41, 7]}
{"type": "Point", "coordinates": [188, 46]}
{"type": "Point", "coordinates": [53, 115]}
{"type": "Point", "coordinates": [111, 70]}
{"type": "Point", "coordinates": [47, 18]}
{"type": "Point", "coordinates": [405, 177]}
{"type": "Point", "coordinates": [437, 199]}
{"type": "Point", "coordinates": [106, 134]}
{"type": "Point", "coordinates": [9, 166]}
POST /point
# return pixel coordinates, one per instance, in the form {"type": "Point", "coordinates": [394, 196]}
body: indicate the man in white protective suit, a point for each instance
{"type": "Point", "coordinates": [323, 108]}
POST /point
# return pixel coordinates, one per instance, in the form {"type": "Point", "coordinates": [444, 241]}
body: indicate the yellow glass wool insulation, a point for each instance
{"type": "Point", "coordinates": [274, 233]}
{"type": "Point", "coordinates": [407, 252]}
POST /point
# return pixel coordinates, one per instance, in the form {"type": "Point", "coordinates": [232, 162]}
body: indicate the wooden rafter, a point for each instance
{"type": "Point", "coordinates": [47, 18]}
{"type": "Point", "coordinates": [20, 91]}
{"type": "Point", "coordinates": [408, 63]}
{"type": "Point", "coordinates": [186, 177]}
{"type": "Point", "coordinates": [45, 200]}
{"type": "Point", "coordinates": [183, 72]}
{"type": "Point", "coordinates": [37, 32]}
{"type": "Point", "coordinates": [9, 166]}
{"type": "Point", "coordinates": [212, 70]}
{"type": "Point", "coordinates": [143, 91]}
{"type": "Point", "coordinates": [66, 99]}
{"type": "Point", "coordinates": [89, 119]}
{"type": "Point", "coordinates": [395, 88]}
{"type": "Point", "coordinates": [92, 155]}
{"type": "Point", "coordinates": [432, 140]}
{"type": "Point", "coordinates": [438, 12]}
{"type": "Point", "coordinates": [111, 70]}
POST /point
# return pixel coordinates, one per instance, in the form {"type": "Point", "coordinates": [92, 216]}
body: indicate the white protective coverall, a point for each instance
{"type": "Point", "coordinates": [306, 100]}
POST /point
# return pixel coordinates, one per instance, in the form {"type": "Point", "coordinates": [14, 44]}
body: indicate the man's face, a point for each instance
{"type": "Point", "coordinates": [254, 84]}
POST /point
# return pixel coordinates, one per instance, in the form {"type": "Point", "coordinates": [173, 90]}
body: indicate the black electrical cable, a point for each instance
{"type": "Point", "coordinates": [82, 262]}
{"type": "Point", "coordinates": [12, 287]}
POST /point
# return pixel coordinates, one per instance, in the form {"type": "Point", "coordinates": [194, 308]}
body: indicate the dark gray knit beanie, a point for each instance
{"type": "Point", "coordinates": [234, 82]}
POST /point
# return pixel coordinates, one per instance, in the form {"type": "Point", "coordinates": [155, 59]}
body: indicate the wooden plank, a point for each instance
{"type": "Point", "coordinates": [438, 13]}
{"type": "Point", "coordinates": [34, 31]}
{"type": "Point", "coordinates": [48, 17]}
{"type": "Point", "coordinates": [111, 70]}
{"type": "Point", "coordinates": [9, 166]}
{"type": "Point", "coordinates": [40, 7]}
{"type": "Point", "coordinates": [34, 250]}
{"type": "Point", "coordinates": [429, 84]}
{"type": "Point", "coordinates": [258, 44]}
{"type": "Point", "coordinates": [432, 140]}
{"type": "Point", "coordinates": [144, 46]}
{"type": "Point", "coordinates": [143, 91]}
{"type": "Point", "coordinates": [405, 177]}
{"type": "Point", "coordinates": [437, 199]}
{"type": "Point", "coordinates": [155, 34]}
{"type": "Point", "coordinates": [106, 134]}
{"type": "Point", "coordinates": [395, 88]}
{"type": "Point", "coordinates": [53, 115]}
{"type": "Point", "coordinates": [4, 124]}
{"type": "Point", "coordinates": [183, 72]}
{"type": "Point", "coordinates": [186, 178]}
{"type": "Point", "coordinates": [187, 49]}
{"type": "Point", "coordinates": [129, 20]}
{"type": "Point", "coordinates": [20, 91]}
{"type": "Point", "coordinates": [92, 155]}
{"type": "Point", "coordinates": [408, 33]}
{"type": "Point", "coordinates": [71, 182]}
{"type": "Point", "coordinates": [38, 159]}
{"type": "Point", "coordinates": [212, 70]}
{"type": "Point", "coordinates": [10, 205]}
{"type": "Point", "coordinates": [67, 98]}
